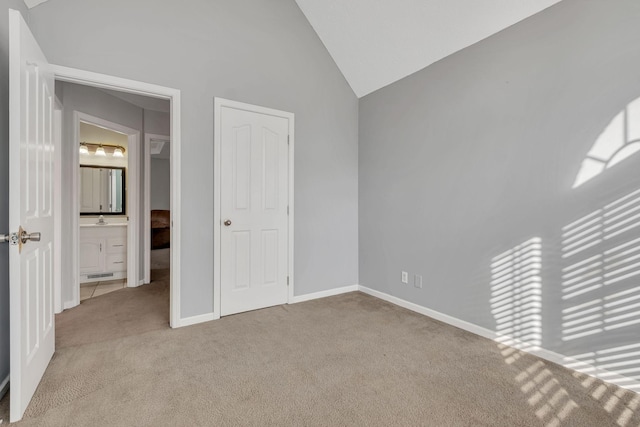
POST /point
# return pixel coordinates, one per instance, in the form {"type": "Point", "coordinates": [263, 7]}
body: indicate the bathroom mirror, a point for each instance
{"type": "Point", "coordinates": [102, 190]}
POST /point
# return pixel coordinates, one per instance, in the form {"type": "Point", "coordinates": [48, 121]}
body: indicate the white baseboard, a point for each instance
{"type": "Point", "coordinates": [324, 294]}
{"type": "Point", "coordinates": [68, 304]}
{"type": "Point", "coordinates": [467, 326]}
{"type": "Point", "coordinates": [566, 361]}
{"type": "Point", "coordinates": [4, 386]}
{"type": "Point", "coordinates": [188, 321]}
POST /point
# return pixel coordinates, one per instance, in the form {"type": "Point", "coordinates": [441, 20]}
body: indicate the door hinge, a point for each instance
{"type": "Point", "coordinates": [287, 209]}
{"type": "Point", "coordinates": [288, 141]}
{"type": "Point", "coordinates": [287, 280]}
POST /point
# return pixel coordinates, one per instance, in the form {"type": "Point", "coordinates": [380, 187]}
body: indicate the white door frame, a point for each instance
{"type": "Point", "coordinates": [132, 202]}
{"type": "Point", "coordinates": [219, 103]}
{"type": "Point", "coordinates": [148, 137]}
{"type": "Point", "coordinates": [88, 78]}
{"type": "Point", "coordinates": [57, 209]}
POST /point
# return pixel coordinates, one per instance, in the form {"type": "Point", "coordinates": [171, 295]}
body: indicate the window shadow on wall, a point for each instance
{"type": "Point", "coordinates": [618, 141]}
{"type": "Point", "coordinates": [516, 305]}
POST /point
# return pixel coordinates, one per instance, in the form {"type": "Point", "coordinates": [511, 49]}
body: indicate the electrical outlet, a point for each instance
{"type": "Point", "coordinates": [417, 281]}
{"type": "Point", "coordinates": [405, 277]}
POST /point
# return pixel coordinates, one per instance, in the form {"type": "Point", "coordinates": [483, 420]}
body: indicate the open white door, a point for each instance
{"type": "Point", "coordinates": [31, 102]}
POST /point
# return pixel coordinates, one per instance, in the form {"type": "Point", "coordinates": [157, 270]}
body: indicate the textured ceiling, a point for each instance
{"type": "Point", "coordinates": [377, 42]}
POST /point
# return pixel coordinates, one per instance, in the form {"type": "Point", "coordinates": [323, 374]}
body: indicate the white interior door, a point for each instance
{"type": "Point", "coordinates": [254, 199]}
{"type": "Point", "coordinates": [31, 145]}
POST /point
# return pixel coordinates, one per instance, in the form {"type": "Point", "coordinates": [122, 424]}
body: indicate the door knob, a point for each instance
{"type": "Point", "coordinates": [25, 237]}
{"type": "Point", "coordinates": [34, 237]}
{"type": "Point", "coordinates": [227, 222]}
{"type": "Point", "coordinates": [20, 238]}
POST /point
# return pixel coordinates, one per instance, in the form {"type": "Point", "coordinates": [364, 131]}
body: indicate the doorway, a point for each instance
{"type": "Point", "coordinates": [157, 202]}
{"type": "Point", "coordinates": [37, 173]}
{"type": "Point", "coordinates": [127, 89]}
{"type": "Point", "coordinates": [253, 196]}
{"type": "Point", "coordinates": [106, 207]}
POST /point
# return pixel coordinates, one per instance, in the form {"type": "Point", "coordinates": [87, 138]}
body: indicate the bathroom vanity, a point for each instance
{"type": "Point", "coordinates": [103, 252]}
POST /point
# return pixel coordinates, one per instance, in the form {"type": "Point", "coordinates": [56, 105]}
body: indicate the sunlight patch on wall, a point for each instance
{"type": "Point", "coordinates": [602, 250]}
{"type": "Point", "coordinates": [616, 361]}
{"type": "Point", "coordinates": [619, 140]}
{"type": "Point", "coordinates": [516, 295]}
{"type": "Point", "coordinates": [516, 305]}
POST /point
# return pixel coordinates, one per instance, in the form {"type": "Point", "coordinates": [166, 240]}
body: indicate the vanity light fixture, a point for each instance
{"type": "Point", "coordinates": [102, 149]}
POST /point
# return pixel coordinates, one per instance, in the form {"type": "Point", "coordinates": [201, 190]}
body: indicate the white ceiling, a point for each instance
{"type": "Point", "coordinates": [377, 42]}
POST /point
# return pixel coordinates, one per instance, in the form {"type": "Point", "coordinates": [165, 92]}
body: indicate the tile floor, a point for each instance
{"type": "Point", "coordinates": [95, 289]}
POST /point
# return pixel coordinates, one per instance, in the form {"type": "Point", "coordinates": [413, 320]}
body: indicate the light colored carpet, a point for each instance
{"type": "Point", "coordinates": [345, 360]}
{"type": "Point", "coordinates": [160, 258]}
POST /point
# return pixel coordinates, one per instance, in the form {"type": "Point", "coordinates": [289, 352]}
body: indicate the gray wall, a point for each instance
{"type": "Point", "coordinates": [98, 104]}
{"type": "Point", "coordinates": [160, 180]}
{"type": "Point", "coordinates": [258, 51]}
{"type": "Point", "coordinates": [157, 122]}
{"type": "Point", "coordinates": [4, 179]}
{"type": "Point", "coordinates": [477, 153]}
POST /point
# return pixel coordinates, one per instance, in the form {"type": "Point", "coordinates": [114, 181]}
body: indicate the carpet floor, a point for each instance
{"type": "Point", "coordinates": [346, 360]}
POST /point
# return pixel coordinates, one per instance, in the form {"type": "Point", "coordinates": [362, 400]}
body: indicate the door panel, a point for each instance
{"type": "Point", "coordinates": [47, 288]}
{"type": "Point", "coordinates": [30, 195]}
{"type": "Point", "coordinates": [241, 248]}
{"type": "Point", "coordinates": [31, 271]}
{"type": "Point", "coordinates": [270, 256]}
{"type": "Point", "coordinates": [254, 197]}
{"type": "Point", "coordinates": [270, 182]}
{"type": "Point", "coordinates": [242, 167]}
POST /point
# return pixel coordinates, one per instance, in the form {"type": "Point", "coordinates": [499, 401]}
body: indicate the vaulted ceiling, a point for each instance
{"type": "Point", "coordinates": [377, 42]}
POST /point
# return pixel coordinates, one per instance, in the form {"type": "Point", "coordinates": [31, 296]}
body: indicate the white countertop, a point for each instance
{"type": "Point", "coordinates": [106, 224]}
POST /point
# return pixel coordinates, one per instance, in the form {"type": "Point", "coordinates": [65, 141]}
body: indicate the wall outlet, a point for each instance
{"type": "Point", "coordinates": [417, 281]}
{"type": "Point", "coordinates": [405, 277]}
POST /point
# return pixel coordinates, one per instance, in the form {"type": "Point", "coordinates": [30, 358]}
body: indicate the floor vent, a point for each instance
{"type": "Point", "coordinates": [97, 276]}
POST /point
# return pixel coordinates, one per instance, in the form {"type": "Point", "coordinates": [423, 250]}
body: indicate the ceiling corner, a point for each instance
{"type": "Point", "coordinates": [33, 3]}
